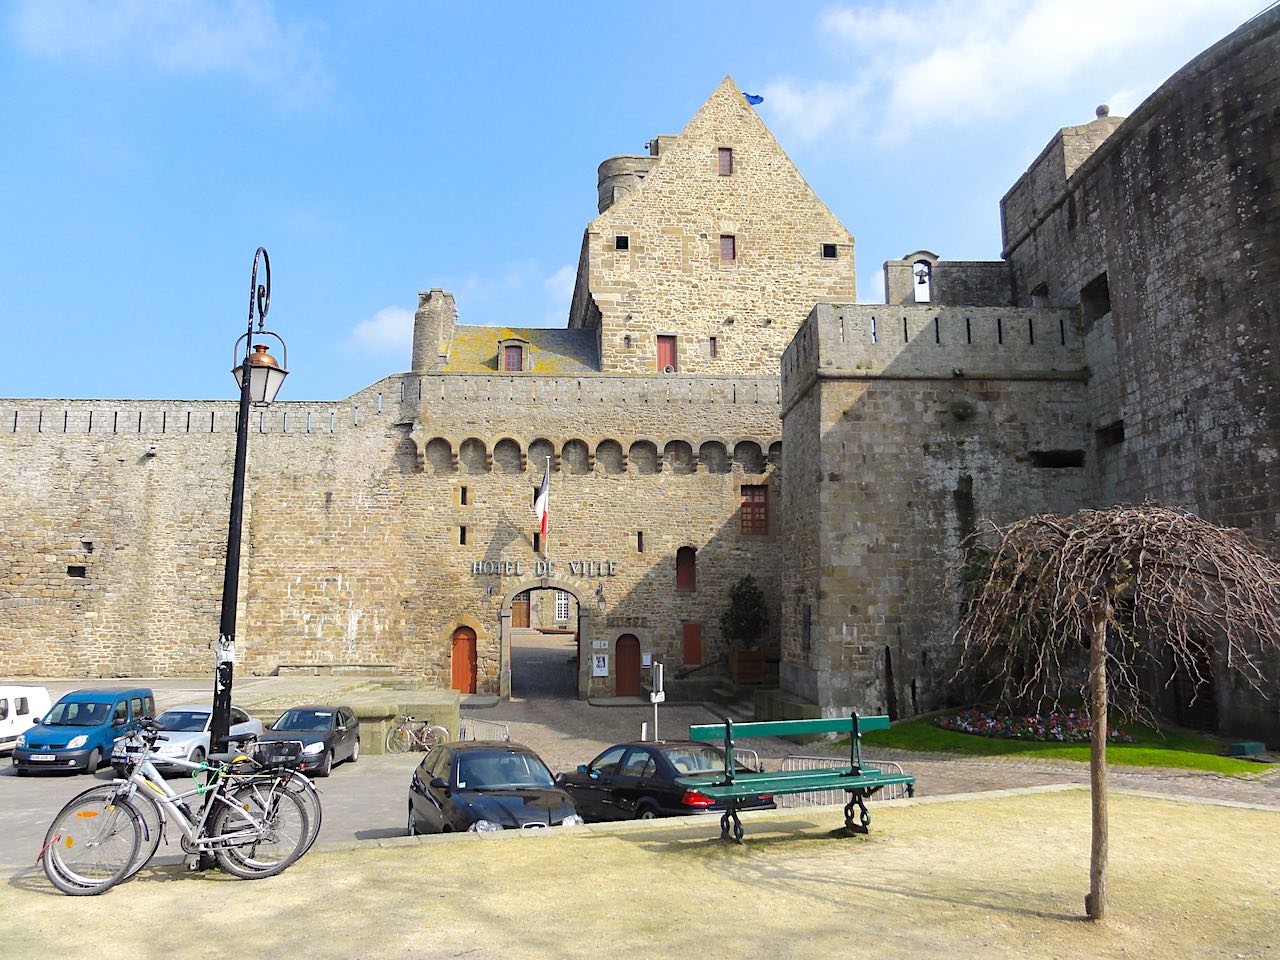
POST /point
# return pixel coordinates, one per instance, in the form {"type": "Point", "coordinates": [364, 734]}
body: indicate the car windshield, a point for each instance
{"type": "Point", "coordinates": [500, 771]}
{"type": "Point", "coordinates": [305, 720]}
{"type": "Point", "coordinates": [183, 721]}
{"type": "Point", "coordinates": [69, 713]}
{"type": "Point", "coordinates": [696, 758]}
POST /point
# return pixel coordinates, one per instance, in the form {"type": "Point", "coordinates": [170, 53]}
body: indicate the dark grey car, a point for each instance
{"type": "Point", "coordinates": [329, 735]}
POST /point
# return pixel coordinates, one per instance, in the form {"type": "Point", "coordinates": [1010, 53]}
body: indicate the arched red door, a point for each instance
{"type": "Point", "coordinates": [627, 667]}
{"type": "Point", "coordinates": [464, 660]}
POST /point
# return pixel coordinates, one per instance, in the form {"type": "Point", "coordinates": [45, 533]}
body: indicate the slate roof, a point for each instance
{"type": "Point", "coordinates": [550, 350]}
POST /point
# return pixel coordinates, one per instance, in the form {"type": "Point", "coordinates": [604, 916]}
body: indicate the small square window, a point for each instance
{"type": "Point", "coordinates": [728, 247]}
{"type": "Point", "coordinates": [828, 251]}
{"type": "Point", "coordinates": [622, 242]}
{"type": "Point", "coordinates": [78, 573]}
{"type": "Point", "coordinates": [724, 160]}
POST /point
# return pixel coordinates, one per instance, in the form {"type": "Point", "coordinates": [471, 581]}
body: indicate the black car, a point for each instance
{"type": "Point", "coordinates": [485, 785]}
{"type": "Point", "coordinates": [329, 735]}
{"type": "Point", "coordinates": [637, 781]}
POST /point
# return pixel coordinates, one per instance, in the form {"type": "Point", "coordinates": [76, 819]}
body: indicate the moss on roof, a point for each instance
{"type": "Point", "coordinates": [550, 351]}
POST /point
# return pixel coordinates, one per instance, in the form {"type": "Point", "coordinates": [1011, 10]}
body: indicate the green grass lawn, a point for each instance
{"type": "Point", "coordinates": [1154, 748]}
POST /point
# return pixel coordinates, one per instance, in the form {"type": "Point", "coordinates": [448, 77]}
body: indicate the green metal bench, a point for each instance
{"type": "Point", "coordinates": [737, 787]}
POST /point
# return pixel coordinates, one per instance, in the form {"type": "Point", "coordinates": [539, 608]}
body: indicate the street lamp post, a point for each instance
{"type": "Point", "coordinates": [259, 377]}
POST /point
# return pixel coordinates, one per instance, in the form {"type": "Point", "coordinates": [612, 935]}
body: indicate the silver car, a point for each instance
{"type": "Point", "coordinates": [187, 731]}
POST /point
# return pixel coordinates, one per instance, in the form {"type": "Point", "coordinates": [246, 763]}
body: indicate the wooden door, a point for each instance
{"type": "Point", "coordinates": [520, 611]}
{"type": "Point", "coordinates": [627, 667]}
{"type": "Point", "coordinates": [692, 644]}
{"type": "Point", "coordinates": [464, 660]}
{"type": "Point", "coordinates": [666, 353]}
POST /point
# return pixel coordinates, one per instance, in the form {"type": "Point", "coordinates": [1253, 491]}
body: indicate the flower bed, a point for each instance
{"type": "Point", "coordinates": [1063, 726]}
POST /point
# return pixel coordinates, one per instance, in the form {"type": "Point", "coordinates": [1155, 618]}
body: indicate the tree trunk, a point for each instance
{"type": "Point", "coordinates": [1095, 903]}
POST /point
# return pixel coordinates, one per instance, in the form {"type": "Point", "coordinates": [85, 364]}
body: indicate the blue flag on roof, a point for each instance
{"type": "Point", "coordinates": [752, 98]}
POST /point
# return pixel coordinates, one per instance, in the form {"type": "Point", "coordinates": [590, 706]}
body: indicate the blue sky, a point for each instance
{"type": "Point", "coordinates": [379, 148]}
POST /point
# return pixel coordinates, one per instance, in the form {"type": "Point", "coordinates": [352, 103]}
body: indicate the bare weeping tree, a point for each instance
{"type": "Point", "coordinates": [1142, 588]}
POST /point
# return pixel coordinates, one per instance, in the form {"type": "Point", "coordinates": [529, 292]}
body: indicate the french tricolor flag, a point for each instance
{"type": "Point", "coordinates": [540, 502]}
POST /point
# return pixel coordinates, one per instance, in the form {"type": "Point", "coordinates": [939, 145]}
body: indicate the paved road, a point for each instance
{"type": "Point", "coordinates": [367, 800]}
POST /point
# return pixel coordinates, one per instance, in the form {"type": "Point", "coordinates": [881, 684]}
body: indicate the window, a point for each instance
{"type": "Point", "coordinates": [622, 242]}
{"type": "Point", "coordinates": [1056, 459]}
{"type": "Point", "coordinates": [609, 761]}
{"type": "Point", "coordinates": [755, 510]}
{"type": "Point", "coordinates": [513, 358]}
{"type": "Point", "coordinates": [121, 712]}
{"type": "Point", "coordinates": [78, 573]}
{"type": "Point", "coordinates": [728, 247]}
{"type": "Point", "coordinates": [667, 354]}
{"type": "Point", "coordinates": [537, 542]}
{"type": "Point", "coordinates": [639, 541]}
{"type": "Point", "coordinates": [462, 496]}
{"type": "Point", "coordinates": [713, 348]}
{"type": "Point", "coordinates": [1111, 435]}
{"type": "Point", "coordinates": [686, 569]}
{"type": "Point", "coordinates": [1095, 299]}
{"type": "Point", "coordinates": [462, 536]}
{"type": "Point", "coordinates": [724, 161]}
{"type": "Point", "coordinates": [4, 709]}
{"type": "Point", "coordinates": [1040, 296]}
{"type": "Point", "coordinates": [21, 706]}
{"type": "Point", "coordinates": [923, 271]}
{"type": "Point", "coordinates": [639, 763]}
{"type": "Point", "coordinates": [626, 342]}
{"type": "Point", "coordinates": [692, 644]}
{"type": "Point", "coordinates": [238, 716]}
{"type": "Point", "coordinates": [135, 707]}
{"type": "Point", "coordinates": [562, 605]}
{"type": "Point", "coordinates": [828, 251]}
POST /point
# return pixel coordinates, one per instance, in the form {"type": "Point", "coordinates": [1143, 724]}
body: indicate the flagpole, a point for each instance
{"type": "Point", "coordinates": [546, 539]}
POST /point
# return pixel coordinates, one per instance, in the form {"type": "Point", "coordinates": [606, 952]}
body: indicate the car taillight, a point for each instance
{"type": "Point", "coordinates": [692, 798]}
{"type": "Point", "coordinates": [766, 797]}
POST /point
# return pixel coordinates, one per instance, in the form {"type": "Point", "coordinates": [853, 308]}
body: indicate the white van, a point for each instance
{"type": "Point", "coordinates": [20, 709]}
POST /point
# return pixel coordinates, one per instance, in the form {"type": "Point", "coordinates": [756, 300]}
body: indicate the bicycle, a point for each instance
{"type": "Point", "coordinates": [409, 733]}
{"type": "Point", "coordinates": [254, 823]}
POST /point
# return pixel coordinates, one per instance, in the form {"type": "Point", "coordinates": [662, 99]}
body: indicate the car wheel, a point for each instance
{"type": "Point", "coordinates": [646, 813]}
{"type": "Point", "coordinates": [324, 768]}
{"type": "Point", "coordinates": [355, 750]}
{"type": "Point", "coordinates": [95, 761]}
{"type": "Point", "coordinates": [197, 755]}
{"type": "Point", "coordinates": [413, 822]}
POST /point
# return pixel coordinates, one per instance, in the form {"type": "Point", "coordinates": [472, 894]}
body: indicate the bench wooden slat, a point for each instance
{"type": "Point", "coordinates": [785, 728]}
{"type": "Point", "coordinates": [757, 785]}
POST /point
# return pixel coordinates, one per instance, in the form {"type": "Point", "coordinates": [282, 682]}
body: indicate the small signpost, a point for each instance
{"type": "Point", "coordinates": [656, 695]}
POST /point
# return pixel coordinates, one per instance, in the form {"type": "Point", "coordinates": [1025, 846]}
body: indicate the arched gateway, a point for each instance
{"type": "Point", "coordinates": [514, 615]}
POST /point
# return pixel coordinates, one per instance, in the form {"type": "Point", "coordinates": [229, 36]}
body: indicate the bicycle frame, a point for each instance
{"type": "Point", "coordinates": [147, 779]}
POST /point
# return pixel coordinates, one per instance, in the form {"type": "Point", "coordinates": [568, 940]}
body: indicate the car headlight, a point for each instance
{"type": "Point", "coordinates": [572, 820]}
{"type": "Point", "coordinates": [22, 740]}
{"type": "Point", "coordinates": [314, 748]}
{"type": "Point", "coordinates": [79, 741]}
{"type": "Point", "coordinates": [484, 826]}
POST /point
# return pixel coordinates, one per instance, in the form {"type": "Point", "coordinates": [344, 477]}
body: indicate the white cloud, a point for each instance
{"type": "Point", "coordinates": [950, 63]}
{"type": "Point", "coordinates": [179, 36]}
{"type": "Point", "coordinates": [390, 330]}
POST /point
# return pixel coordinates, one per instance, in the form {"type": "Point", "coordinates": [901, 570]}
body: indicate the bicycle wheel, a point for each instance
{"type": "Point", "coordinates": [305, 791]}
{"type": "Point", "coordinates": [152, 824]}
{"type": "Point", "coordinates": [432, 736]}
{"type": "Point", "coordinates": [399, 739]}
{"type": "Point", "coordinates": [91, 844]}
{"type": "Point", "coordinates": [261, 829]}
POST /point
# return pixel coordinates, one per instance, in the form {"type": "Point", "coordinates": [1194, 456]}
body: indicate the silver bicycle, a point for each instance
{"type": "Point", "coordinates": [253, 821]}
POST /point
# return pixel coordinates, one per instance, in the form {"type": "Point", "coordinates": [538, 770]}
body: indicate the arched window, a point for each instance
{"type": "Point", "coordinates": [687, 569]}
{"type": "Point", "coordinates": [1040, 296]}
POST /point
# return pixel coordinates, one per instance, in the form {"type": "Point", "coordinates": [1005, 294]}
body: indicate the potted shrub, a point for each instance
{"type": "Point", "coordinates": [743, 623]}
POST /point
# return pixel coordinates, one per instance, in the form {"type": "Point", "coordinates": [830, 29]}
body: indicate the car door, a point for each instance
{"type": "Point", "coordinates": [350, 733]}
{"type": "Point", "coordinates": [632, 783]}
{"type": "Point", "coordinates": [593, 790]}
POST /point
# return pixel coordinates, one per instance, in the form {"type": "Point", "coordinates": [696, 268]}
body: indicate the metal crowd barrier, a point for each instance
{"type": "Point", "coordinates": [830, 797]}
{"type": "Point", "coordinates": [472, 728]}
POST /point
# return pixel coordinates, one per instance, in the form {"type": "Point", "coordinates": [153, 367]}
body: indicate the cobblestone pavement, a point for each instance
{"type": "Point", "coordinates": [567, 731]}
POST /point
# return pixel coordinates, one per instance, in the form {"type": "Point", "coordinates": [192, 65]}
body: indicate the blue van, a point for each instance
{"type": "Point", "coordinates": [79, 730]}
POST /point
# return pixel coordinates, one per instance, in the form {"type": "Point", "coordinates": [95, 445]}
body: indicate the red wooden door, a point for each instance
{"type": "Point", "coordinates": [692, 644]}
{"type": "Point", "coordinates": [464, 660]}
{"type": "Point", "coordinates": [520, 611]}
{"type": "Point", "coordinates": [627, 667]}
{"type": "Point", "coordinates": [666, 353]}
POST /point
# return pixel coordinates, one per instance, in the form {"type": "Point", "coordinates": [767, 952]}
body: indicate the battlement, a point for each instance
{"type": "Point", "coordinates": [174, 418]}
{"type": "Point", "coordinates": [870, 341]}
